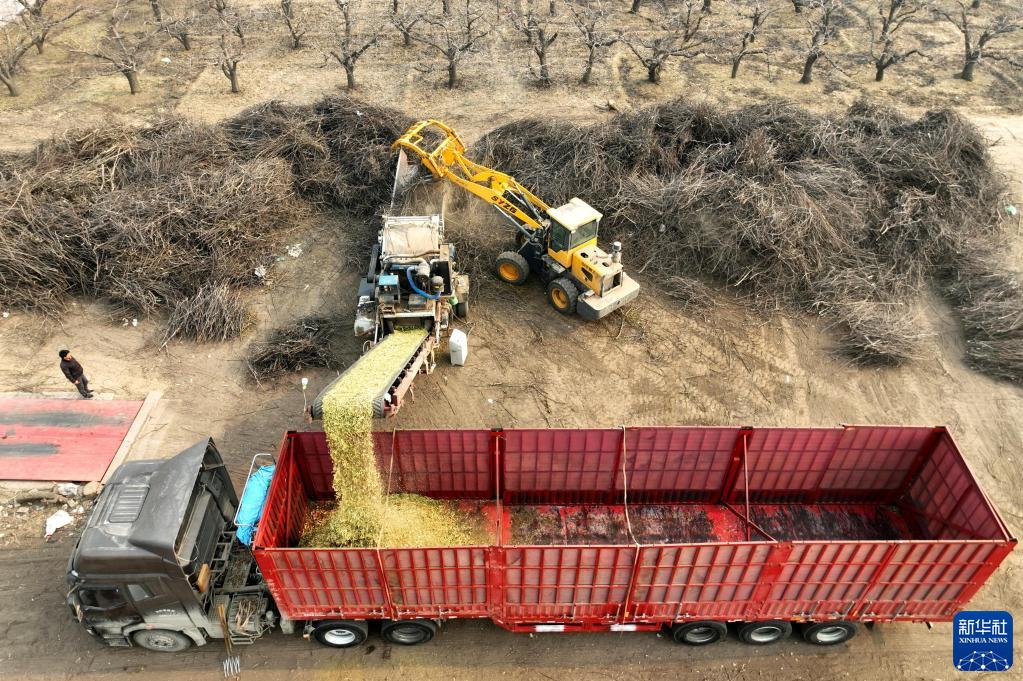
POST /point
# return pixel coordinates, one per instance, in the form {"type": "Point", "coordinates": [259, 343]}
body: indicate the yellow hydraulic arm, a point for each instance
{"type": "Point", "coordinates": [446, 161]}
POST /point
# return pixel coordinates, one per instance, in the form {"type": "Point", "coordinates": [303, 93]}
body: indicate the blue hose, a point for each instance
{"type": "Point", "coordinates": [412, 283]}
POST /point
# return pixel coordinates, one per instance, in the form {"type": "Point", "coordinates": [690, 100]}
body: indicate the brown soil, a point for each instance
{"type": "Point", "coordinates": [528, 366]}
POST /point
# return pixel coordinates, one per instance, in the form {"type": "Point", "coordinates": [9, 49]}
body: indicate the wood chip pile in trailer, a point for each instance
{"type": "Point", "coordinates": [627, 529]}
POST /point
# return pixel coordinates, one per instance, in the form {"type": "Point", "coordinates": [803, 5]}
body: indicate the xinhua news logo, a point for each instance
{"type": "Point", "coordinates": [982, 641]}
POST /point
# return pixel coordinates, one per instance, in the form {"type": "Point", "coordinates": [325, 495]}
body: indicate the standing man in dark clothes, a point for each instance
{"type": "Point", "coordinates": [74, 372]}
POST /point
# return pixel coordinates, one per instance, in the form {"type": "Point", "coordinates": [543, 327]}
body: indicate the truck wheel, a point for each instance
{"type": "Point", "coordinates": [828, 633]}
{"type": "Point", "coordinates": [562, 295]}
{"type": "Point", "coordinates": [408, 632]}
{"type": "Point", "coordinates": [512, 268]}
{"type": "Point", "coordinates": [699, 633]}
{"type": "Point", "coordinates": [161, 640]}
{"type": "Point", "coordinates": [764, 633]}
{"type": "Point", "coordinates": [341, 633]}
{"type": "Point", "coordinates": [462, 310]}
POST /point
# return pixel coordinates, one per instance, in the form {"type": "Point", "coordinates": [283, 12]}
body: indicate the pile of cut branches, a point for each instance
{"type": "Point", "coordinates": [849, 216]}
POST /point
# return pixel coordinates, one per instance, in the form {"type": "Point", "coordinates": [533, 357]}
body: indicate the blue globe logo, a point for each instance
{"type": "Point", "coordinates": [982, 661]}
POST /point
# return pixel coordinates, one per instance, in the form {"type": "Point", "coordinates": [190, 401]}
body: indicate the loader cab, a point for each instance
{"type": "Point", "coordinates": [572, 242]}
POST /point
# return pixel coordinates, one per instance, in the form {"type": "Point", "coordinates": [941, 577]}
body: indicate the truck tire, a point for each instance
{"type": "Point", "coordinates": [408, 632]}
{"type": "Point", "coordinates": [764, 633]}
{"type": "Point", "coordinates": [161, 640]}
{"type": "Point", "coordinates": [341, 633]}
{"type": "Point", "coordinates": [562, 295]}
{"type": "Point", "coordinates": [512, 268]}
{"type": "Point", "coordinates": [699, 633]}
{"type": "Point", "coordinates": [828, 633]}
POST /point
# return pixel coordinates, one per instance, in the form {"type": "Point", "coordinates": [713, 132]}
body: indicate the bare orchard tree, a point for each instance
{"type": "Point", "coordinates": [635, 6]}
{"type": "Point", "coordinates": [179, 28]}
{"type": "Point", "coordinates": [347, 44]}
{"type": "Point", "coordinates": [540, 33]}
{"type": "Point", "coordinates": [405, 20]}
{"type": "Point", "coordinates": [229, 18]}
{"type": "Point", "coordinates": [822, 31]}
{"type": "Point", "coordinates": [456, 36]}
{"type": "Point", "coordinates": [296, 32]}
{"type": "Point", "coordinates": [757, 16]}
{"type": "Point", "coordinates": [124, 51]}
{"type": "Point", "coordinates": [893, 14]}
{"type": "Point", "coordinates": [976, 38]}
{"type": "Point", "coordinates": [227, 59]}
{"type": "Point", "coordinates": [38, 23]}
{"type": "Point", "coordinates": [15, 42]}
{"type": "Point", "coordinates": [590, 22]}
{"type": "Point", "coordinates": [679, 36]}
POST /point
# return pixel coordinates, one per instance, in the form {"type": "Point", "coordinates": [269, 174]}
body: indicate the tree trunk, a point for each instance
{"type": "Point", "coordinates": [185, 40]}
{"type": "Point", "coordinates": [706, 6]}
{"type": "Point", "coordinates": [232, 74]}
{"type": "Point", "coordinates": [38, 42]}
{"type": "Point", "coordinates": [588, 71]}
{"type": "Point", "coordinates": [798, 6]}
{"type": "Point", "coordinates": [879, 74]}
{"type": "Point", "coordinates": [968, 67]}
{"type": "Point", "coordinates": [735, 64]}
{"type": "Point", "coordinates": [394, 6]}
{"type": "Point", "coordinates": [552, 8]}
{"type": "Point", "coordinates": [975, 4]}
{"type": "Point", "coordinates": [350, 75]}
{"type": "Point", "coordinates": [133, 80]}
{"type": "Point", "coordinates": [406, 38]}
{"type": "Point", "coordinates": [157, 10]}
{"type": "Point", "coordinates": [653, 72]}
{"type": "Point", "coordinates": [452, 74]}
{"type": "Point", "coordinates": [811, 59]}
{"type": "Point", "coordinates": [635, 6]}
{"type": "Point", "coordinates": [12, 87]}
{"type": "Point", "coordinates": [446, 5]}
{"type": "Point", "coordinates": [545, 71]}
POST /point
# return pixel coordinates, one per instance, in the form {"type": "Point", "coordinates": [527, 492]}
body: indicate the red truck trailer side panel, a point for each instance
{"type": "Point", "coordinates": [858, 522]}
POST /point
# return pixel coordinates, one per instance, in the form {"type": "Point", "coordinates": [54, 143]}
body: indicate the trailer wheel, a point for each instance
{"type": "Point", "coordinates": [764, 633]}
{"type": "Point", "coordinates": [161, 640]}
{"type": "Point", "coordinates": [699, 633]}
{"type": "Point", "coordinates": [341, 633]}
{"type": "Point", "coordinates": [828, 633]}
{"type": "Point", "coordinates": [408, 632]}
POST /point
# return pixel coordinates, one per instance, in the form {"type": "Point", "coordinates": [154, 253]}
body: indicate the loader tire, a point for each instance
{"type": "Point", "coordinates": [562, 295]}
{"type": "Point", "coordinates": [512, 268]}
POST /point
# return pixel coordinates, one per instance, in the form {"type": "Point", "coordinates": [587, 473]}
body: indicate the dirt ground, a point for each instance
{"type": "Point", "coordinates": [653, 364]}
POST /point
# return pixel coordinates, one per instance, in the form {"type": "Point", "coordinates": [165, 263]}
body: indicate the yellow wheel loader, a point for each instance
{"type": "Point", "coordinates": [557, 244]}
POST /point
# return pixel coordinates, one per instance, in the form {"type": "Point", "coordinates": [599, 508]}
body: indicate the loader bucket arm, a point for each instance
{"type": "Point", "coordinates": [446, 160]}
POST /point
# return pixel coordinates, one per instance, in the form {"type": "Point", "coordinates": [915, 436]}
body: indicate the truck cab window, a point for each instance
{"type": "Point", "coordinates": [103, 597]}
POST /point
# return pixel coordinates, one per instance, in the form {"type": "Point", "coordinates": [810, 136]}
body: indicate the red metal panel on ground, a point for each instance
{"type": "Point", "coordinates": [55, 439]}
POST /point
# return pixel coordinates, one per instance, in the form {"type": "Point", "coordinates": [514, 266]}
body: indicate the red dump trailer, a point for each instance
{"type": "Point", "coordinates": [633, 529]}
